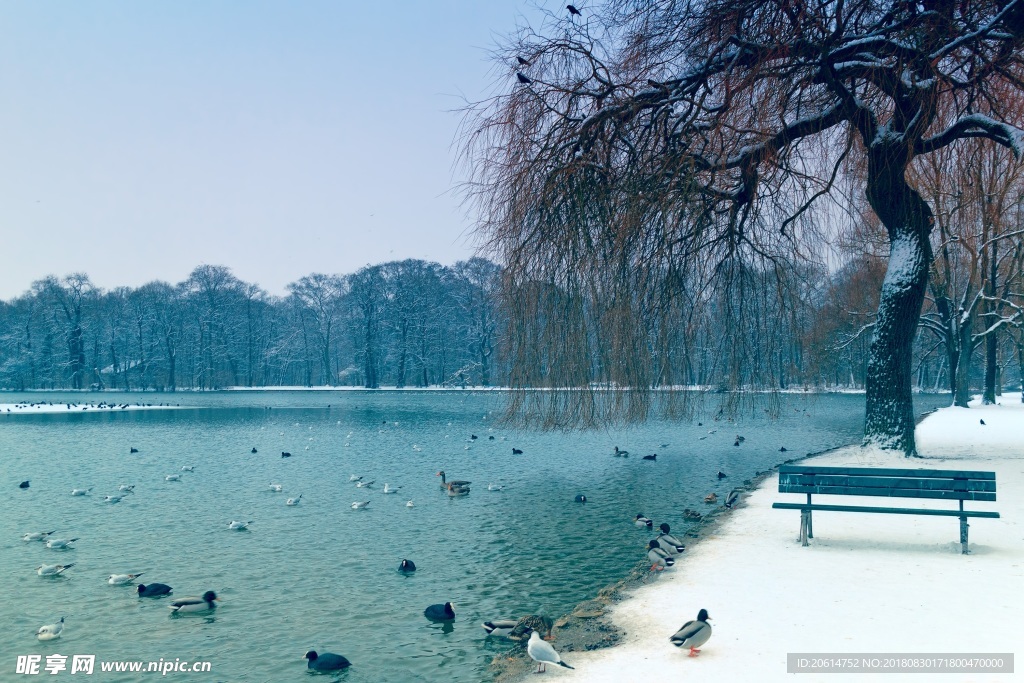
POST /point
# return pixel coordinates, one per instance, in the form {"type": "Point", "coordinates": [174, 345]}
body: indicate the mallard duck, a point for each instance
{"type": "Point", "coordinates": [691, 514]}
{"type": "Point", "coordinates": [693, 634]}
{"type": "Point", "coordinates": [439, 612]}
{"type": "Point", "coordinates": [732, 498]}
{"type": "Point", "coordinates": [328, 661]}
{"type": "Point", "coordinates": [541, 652]}
{"type": "Point", "coordinates": [711, 498]}
{"type": "Point", "coordinates": [659, 558]}
{"type": "Point", "coordinates": [153, 590]}
{"type": "Point", "coordinates": [642, 521]}
{"type": "Point", "coordinates": [51, 631]}
{"type": "Point", "coordinates": [500, 627]}
{"type": "Point", "coordinates": [621, 454]}
{"type": "Point", "coordinates": [455, 482]}
{"type": "Point", "coordinates": [668, 542]}
{"type": "Point", "coordinates": [208, 601]}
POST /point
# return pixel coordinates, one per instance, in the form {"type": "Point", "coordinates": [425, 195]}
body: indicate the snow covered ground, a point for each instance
{"type": "Point", "coordinates": [47, 407]}
{"type": "Point", "coordinates": [868, 583]}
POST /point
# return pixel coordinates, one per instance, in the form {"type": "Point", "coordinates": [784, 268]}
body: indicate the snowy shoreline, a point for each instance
{"type": "Point", "coordinates": [867, 584]}
{"type": "Point", "coordinates": [41, 407]}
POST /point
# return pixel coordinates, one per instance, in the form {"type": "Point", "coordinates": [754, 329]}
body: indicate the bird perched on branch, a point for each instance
{"type": "Point", "coordinates": [523, 78]}
{"type": "Point", "coordinates": [573, 11]}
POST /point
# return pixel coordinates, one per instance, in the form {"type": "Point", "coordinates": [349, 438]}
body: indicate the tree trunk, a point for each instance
{"type": "Point", "coordinates": [889, 414]}
{"type": "Point", "coordinates": [962, 388]}
{"type": "Point", "coordinates": [989, 396]}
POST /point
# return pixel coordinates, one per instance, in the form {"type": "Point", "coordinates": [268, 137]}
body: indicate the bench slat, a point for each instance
{"type": "Point", "coordinates": [897, 511]}
{"type": "Point", "coordinates": [884, 472]}
{"type": "Point", "coordinates": [888, 493]}
{"type": "Point", "coordinates": [887, 482]}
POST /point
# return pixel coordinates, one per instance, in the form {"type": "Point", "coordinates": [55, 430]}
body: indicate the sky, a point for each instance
{"type": "Point", "coordinates": [140, 140]}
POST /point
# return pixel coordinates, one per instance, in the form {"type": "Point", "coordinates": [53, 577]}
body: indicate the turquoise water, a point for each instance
{"type": "Point", "coordinates": [321, 575]}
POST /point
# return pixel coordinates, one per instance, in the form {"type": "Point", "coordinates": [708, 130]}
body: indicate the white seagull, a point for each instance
{"type": "Point", "coordinates": [360, 505]}
{"type": "Point", "coordinates": [113, 499]}
{"type": "Point", "coordinates": [292, 502]}
{"type": "Point", "coordinates": [390, 489]}
{"type": "Point", "coordinates": [81, 492]}
{"type": "Point", "coordinates": [172, 477]}
{"type": "Point", "coordinates": [239, 526]}
{"type": "Point", "coordinates": [276, 488]}
{"type": "Point", "coordinates": [127, 488]}
{"type": "Point", "coordinates": [364, 484]}
{"type": "Point", "coordinates": [354, 477]}
{"type": "Point", "coordinates": [53, 569]}
{"type": "Point", "coordinates": [122, 579]}
{"type": "Point", "coordinates": [36, 535]}
{"type": "Point", "coordinates": [188, 468]}
{"type": "Point", "coordinates": [495, 487]}
{"type": "Point", "coordinates": [61, 543]}
{"type": "Point", "coordinates": [409, 504]}
{"type": "Point", "coordinates": [50, 631]}
{"type": "Point", "coordinates": [541, 652]}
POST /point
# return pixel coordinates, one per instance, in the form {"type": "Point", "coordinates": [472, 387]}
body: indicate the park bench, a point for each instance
{"type": "Point", "coordinates": [958, 485]}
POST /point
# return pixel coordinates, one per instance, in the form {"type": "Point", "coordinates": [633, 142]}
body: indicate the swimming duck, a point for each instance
{"type": "Point", "coordinates": [239, 526]}
{"type": "Point", "coordinates": [195, 604]}
{"type": "Point", "coordinates": [122, 579]}
{"type": "Point", "coordinates": [81, 492]}
{"type": "Point", "coordinates": [292, 502]}
{"type": "Point", "coordinates": [455, 482]}
{"type": "Point", "coordinates": [722, 475]}
{"type": "Point", "coordinates": [53, 569]}
{"type": "Point", "coordinates": [285, 454]}
{"type": "Point", "coordinates": [732, 498]}
{"type": "Point", "coordinates": [253, 450]}
{"type": "Point", "coordinates": [653, 456]}
{"type": "Point", "coordinates": [328, 661]}
{"type": "Point", "coordinates": [642, 521]}
{"type": "Point", "coordinates": [541, 652]}
{"type": "Point", "coordinates": [691, 514]}
{"type": "Point", "coordinates": [439, 612]}
{"type": "Point", "coordinates": [153, 590]}
{"type": "Point", "coordinates": [500, 627]}
{"type": "Point", "coordinates": [517, 451]}
{"type": "Point", "coordinates": [659, 558]}
{"type": "Point", "coordinates": [693, 634]}
{"type": "Point", "coordinates": [407, 566]}
{"type": "Point", "coordinates": [60, 543]}
{"type": "Point", "coordinates": [36, 535]}
{"type": "Point", "coordinates": [711, 498]}
{"type": "Point", "coordinates": [24, 485]}
{"type": "Point", "coordinates": [621, 454]}
{"type": "Point", "coordinates": [359, 505]}
{"type": "Point", "coordinates": [51, 631]}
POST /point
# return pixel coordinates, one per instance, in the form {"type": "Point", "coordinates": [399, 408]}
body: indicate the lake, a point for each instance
{"type": "Point", "coordinates": [321, 575]}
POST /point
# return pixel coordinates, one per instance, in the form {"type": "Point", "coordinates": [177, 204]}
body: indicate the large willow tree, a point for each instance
{"type": "Point", "coordinates": [646, 150]}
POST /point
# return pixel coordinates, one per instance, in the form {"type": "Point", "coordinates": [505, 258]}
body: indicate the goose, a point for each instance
{"type": "Point", "coordinates": [454, 482]}
{"type": "Point", "coordinates": [407, 566]}
{"type": "Point", "coordinates": [81, 492]}
{"type": "Point", "coordinates": [172, 477]}
{"type": "Point", "coordinates": [364, 484]}
{"type": "Point", "coordinates": [53, 569]}
{"type": "Point", "coordinates": [732, 498]}
{"type": "Point", "coordinates": [711, 498]}
{"type": "Point", "coordinates": [621, 454]}
{"type": "Point", "coordinates": [50, 631]}
{"type": "Point", "coordinates": [667, 538]}
{"type": "Point", "coordinates": [292, 502]}
{"type": "Point", "coordinates": [642, 521]}
{"type": "Point", "coordinates": [61, 543]}
{"type": "Point", "coordinates": [328, 661]}
{"type": "Point", "coordinates": [153, 590]}
{"type": "Point", "coordinates": [360, 505]}
{"type": "Point", "coordinates": [693, 634]}
{"type": "Point", "coordinates": [541, 652]}
{"type": "Point", "coordinates": [208, 601]}
{"type": "Point", "coordinates": [37, 535]}
{"type": "Point", "coordinates": [122, 579]}
{"type": "Point", "coordinates": [390, 489]}
{"type": "Point", "coordinates": [659, 558]}
{"type": "Point", "coordinates": [495, 487]}
{"type": "Point", "coordinates": [276, 488]}
{"type": "Point", "coordinates": [439, 612]}
{"type": "Point", "coordinates": [454, 490]}
{"type": "Point", "coordinates": [239, 526]}
{"type": "Point", "coordinates": [500, 627]}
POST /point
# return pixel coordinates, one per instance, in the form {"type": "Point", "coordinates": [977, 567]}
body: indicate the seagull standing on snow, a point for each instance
{"type": "Point", "coordinates": [542, 653]}
{"type": "Point", "coordinates": [693, 634]}
{"type": "Point", "coordinates": [51, 631]}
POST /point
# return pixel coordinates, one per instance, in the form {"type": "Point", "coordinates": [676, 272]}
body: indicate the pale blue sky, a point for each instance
{"type": "Point", "coordinates": [140, 139]}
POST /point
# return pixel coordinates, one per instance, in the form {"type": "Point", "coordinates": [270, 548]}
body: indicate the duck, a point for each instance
{"type": "Point", "coordinates": [455, 482]}
{"type": "Point", "coordinates": [439, 612]}
{"type": "Point", "coordinates": [207, 601]}
{"type": "Point", "coordinates": [454, 490]}
{"type": "Point", "coordinates": [81, 492]}
{"type": "Point", "coordinates": [517, 451]}
{"type": "Point", "coordinates": [360, 505]}
{"type": "Point", "coordinates": [621, 454]}
{"type": "Point", "coordinates": [276, 488]}
{"type": "Point", "coordinates": [253, 450]}
{"type": "Point", "coordinates": [60, 543]}
{"type": "Point", "coordinates": [732, 498]}
{"type": "Point", "coordinates": [668, 542]}
{"type": "Point", "coordinates": [153, 590]}
{"type": "Point", "coordinates": [495, 487]}
{"type": "Point", "coordinates": [53, 569]}
{"type": "Point", "coordinates": [133, 449]}
{"type": "Point", "coordinates": [580, 498]}
{"type": "Point", "coordinates": [642, 521]}
{"type": "Point", "coordinates": [285, 454]}
{"type": "Point", "coordinates": [239, 526]}
{"type": "Point", "coordinates": [390, 489]}
{"type": "Point", "coordinates": [122, 579]}
{"type": "Point", "coordinates": [37, 535]}
{"type": "Point", "coordinates": [711, 498]}
{"type": "Point", "coordinates": [327, 661]}
{"type": "Point", "coordinates": [500, 627]}
{"type": "Point", "coordinates": [541, 652]}
{"type": "Point", "coordinates": [653, 456]}
{"type": "Point", "coordinates": [691, 514]}
{"type": "Point", "coordinates": [51, 631]}
{"type": "Point", "coordinates": [407, 566]}
{"type": "Point", "coordinates": [783, 449]}
{"type": "Point", "coordinates": [693, 634]}
{"type": "Point", "coordinates": [292, 502]}
{"type": "Point", "coordinates": [659, 558]}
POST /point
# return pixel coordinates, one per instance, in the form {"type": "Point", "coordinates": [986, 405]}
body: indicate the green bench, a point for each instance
{"type": "Point", "coordinates": [958, 485]}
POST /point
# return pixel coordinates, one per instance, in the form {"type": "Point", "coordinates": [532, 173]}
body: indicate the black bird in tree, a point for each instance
{"type": "Point", "coordinates": [523, 78]}
{"type": "Point", "coordinates": [523, 62]}
{"type": "Point", "coordinates": [572, 10]}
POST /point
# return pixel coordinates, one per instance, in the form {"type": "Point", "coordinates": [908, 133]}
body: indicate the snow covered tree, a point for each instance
{"type": "Point", "coordinates": [648, 143]}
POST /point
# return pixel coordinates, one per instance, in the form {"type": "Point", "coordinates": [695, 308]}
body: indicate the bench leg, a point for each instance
{"type": "Point", "coordinates": [805, 522]}
{"type": "Point", "coordinates": [963, 536]}
{"type": "Point", "coordinates": [810, 525]}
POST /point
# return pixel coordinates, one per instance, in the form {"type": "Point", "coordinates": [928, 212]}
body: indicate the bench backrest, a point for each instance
{"type": "Point", "coordinates": [872, 481]}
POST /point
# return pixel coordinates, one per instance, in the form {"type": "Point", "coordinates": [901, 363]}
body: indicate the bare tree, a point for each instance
{"type": "Point", "coordinates": [654, 142]}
